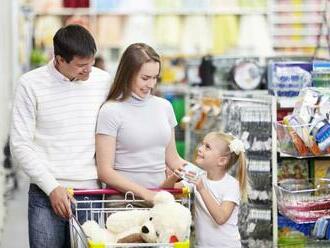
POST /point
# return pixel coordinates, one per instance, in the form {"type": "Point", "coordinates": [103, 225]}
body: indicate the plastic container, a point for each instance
{"type": "Point", "coordinates": [304, 201]}
{"type": "Point", "coordinates": [300, 141]}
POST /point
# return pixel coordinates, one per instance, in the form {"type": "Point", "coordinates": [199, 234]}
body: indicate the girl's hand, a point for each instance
{"type": "Point", "coordinates": [197, 181]}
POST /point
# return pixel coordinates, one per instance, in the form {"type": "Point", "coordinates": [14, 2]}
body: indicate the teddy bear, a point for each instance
{"type": "Point", "coordinates": [104, 236]}
{"type": "Point", "coordinates": [166, 222]}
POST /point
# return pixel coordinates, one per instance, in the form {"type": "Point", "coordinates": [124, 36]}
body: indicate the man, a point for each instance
{"type": "Point", "coordinates": [53, 132]}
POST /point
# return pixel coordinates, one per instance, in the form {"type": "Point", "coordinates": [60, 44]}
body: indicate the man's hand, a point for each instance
{"type": "Point", "coordinates": [61, 200]}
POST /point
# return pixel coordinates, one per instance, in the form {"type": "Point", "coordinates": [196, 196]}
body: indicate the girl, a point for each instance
{"type": "Point", "coordinates": [135, 129]}
{"type": "Point", "coordinates": [217, 196]}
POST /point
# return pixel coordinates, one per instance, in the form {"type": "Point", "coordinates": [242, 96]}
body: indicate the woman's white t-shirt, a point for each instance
{"type": "Point", "coordinates": [208, 233]}
{"type": "Point", "coordinates": [143, 130]}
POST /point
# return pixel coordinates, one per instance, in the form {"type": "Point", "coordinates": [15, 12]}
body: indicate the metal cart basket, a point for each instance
{"type": "Point", "coordinates": [99, 210]}
{"type": "Point", "coordinates": [304, 201]}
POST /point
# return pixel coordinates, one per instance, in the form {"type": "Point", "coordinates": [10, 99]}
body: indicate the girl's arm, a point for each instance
{"type": "Point", "coordinates": [105, 155]}
{"type": "Point", "coordinates": [172, 158]}
{"type": "Point", "coordinates": [220, 212]}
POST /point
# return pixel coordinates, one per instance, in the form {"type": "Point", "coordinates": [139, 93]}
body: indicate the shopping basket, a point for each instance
{"type": "Point", "coordinates": [99, 210]}
{"type": "Point", "coordinates": [304, 201]}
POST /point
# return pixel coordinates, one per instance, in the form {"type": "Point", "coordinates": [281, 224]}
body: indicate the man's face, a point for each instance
{"type": "Point", "coordinates": [77, 69]}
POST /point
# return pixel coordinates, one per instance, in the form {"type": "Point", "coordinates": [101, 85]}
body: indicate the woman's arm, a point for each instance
{"type": "Point", "coordinates": [172, 158]}
{"type": "Point", "coordinates": [172, 181]}
{"type": "Point", "coordinates": [105, 155]}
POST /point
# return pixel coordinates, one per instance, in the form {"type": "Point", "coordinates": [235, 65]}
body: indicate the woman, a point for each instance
{"type": "Point", "coordinates": [135, 130]}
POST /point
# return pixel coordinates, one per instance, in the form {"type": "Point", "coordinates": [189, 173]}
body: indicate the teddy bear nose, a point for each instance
{"type": "Point", "coordinates": [145, 229]}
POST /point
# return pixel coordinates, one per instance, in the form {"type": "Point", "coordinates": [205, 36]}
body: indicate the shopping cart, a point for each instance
{"type": "Point", "coordinates": [99, 210]}
{"type": "Point", "coordinates": [304, 201]}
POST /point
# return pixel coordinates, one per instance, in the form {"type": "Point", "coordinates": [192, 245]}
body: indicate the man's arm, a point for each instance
{"type": "Point", "coordinates": [21, 139]}
{"type": "Point", "coordinates": [23, 149]}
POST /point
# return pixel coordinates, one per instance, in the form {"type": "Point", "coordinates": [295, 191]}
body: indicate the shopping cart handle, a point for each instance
{"type": "Point", "coordinates": [110, 191]}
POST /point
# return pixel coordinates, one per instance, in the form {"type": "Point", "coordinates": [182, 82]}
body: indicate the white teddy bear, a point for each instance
{"type": "Point", "coordinates": [166, 222]}
{"type": "Point", "coordinates": [97, 233]}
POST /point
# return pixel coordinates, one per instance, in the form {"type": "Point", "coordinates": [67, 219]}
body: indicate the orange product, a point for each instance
{"type": "Point", "coordinates": [298, 143]}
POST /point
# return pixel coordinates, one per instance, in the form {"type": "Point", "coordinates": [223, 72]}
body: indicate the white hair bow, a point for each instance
{"type": "Point", "coordinates": [236, 146]}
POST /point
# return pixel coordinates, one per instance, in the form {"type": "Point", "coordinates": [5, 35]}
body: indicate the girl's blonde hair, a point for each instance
{"type": "Point", "coordinates": [241, 171]}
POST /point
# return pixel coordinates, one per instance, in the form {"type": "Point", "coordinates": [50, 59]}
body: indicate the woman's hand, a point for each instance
{"type": "Point", "coordinates": [149, 196]}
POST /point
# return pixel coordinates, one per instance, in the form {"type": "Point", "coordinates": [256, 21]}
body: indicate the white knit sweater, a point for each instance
{"type": "Point", "coordinates": [53, 127]}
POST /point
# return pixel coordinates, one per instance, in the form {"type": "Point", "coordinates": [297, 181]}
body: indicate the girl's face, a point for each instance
{"type": "Point", "coordinates": [212, 153]}
{"type": "Point", "coordinates": [146, 79]}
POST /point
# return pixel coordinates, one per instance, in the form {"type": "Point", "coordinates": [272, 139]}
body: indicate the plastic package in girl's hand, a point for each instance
{"type": "Point", "coordinates": [191, 171]}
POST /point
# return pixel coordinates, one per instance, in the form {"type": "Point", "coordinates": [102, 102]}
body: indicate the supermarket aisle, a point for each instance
{"type": "Point", "coordinates": [16, 225]}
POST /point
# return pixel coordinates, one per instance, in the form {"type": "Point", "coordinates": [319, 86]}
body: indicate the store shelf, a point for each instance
{"type": "Point", "coordinates": [285, 155]}
{"type": "Point", "coordinates": [87, 11]}
{"type": "Point", "coordinates": [298, 32]}
{"type": "Point", "coordinates": [287, 102]}
{"type": "Point", "coordinates": [175, 88]}
{"type": "Point", "coordinates": [298, 8]}
{"type": "Point", "coordinates": [66, 12]}
{"type": "Point", "coordinates": [297, 19]}
{"type": "Point", "coordinates": [298, 44]}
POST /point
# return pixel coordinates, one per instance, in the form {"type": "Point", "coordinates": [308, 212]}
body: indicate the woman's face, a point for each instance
{"type": "Point", "coordinates": [146, 79]}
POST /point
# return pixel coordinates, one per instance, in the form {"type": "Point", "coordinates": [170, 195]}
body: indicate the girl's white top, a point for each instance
{"type": "Point", "coordinates": [208, 233]}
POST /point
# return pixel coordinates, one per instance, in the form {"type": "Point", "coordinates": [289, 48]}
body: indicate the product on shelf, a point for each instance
{"type": "Point", "coordinates": [321, 168]}
{"type": "Point", "coordinates": [304, 201]}
{"type": "Point", "coordinates": [292, 169]}
{"type": "Point", "coordinates": [247, 75]}
{"type": "Point", "coordinates": [321, 73]}
{"type": "Point", "coordinates": [307, 130]}
{"type": "Point", "coordinates": [289, 77]}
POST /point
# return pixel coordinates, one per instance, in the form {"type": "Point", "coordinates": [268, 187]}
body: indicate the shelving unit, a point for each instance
{"type": "Point", "coordinates": [294, 26]}
{"type": "Point", "coordinates": [182, 10]}
{"type": "Point", "coordinates": [247, 115]}
{"type": "Point", "coordinates": [300, 27]}
{"type": "Point", "coordinates": [299, 165]}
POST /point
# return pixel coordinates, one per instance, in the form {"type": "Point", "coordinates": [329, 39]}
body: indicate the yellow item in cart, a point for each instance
{"type": "Point", "coordinates": [95, 245]}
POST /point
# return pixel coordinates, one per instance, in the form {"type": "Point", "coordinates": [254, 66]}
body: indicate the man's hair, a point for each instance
{"type": "Point", "coordinates": [73, 40]}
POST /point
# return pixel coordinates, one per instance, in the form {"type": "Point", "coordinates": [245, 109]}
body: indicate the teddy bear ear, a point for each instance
{"type": "Point", "coordinates": [163, 197]}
